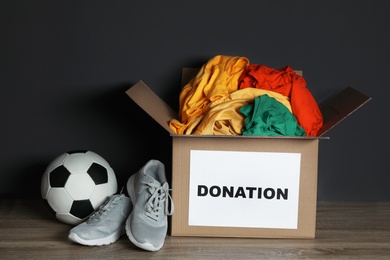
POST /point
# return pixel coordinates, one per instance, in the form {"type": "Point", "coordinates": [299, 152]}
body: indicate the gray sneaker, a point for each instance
{"type": "Point", "coordinates": [105, 225]}
{"type": "Point", "coordinates": [147, 224]}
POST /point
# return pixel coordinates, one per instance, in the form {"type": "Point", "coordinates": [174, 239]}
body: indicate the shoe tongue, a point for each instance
{"type": "Point", "coordinates": [151, 180]}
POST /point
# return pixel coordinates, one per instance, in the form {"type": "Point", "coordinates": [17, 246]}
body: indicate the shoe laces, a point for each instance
{"type": "Point", "coordinates": [105, 208]}
{"type": "Point", "coordinates": [157, 203]}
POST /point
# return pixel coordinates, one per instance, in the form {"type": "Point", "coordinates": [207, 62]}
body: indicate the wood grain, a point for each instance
{"type": "Point", "coordinates": [28, 230]}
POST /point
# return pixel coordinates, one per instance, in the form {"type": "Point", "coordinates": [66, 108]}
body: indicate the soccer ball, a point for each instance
{"type": "Point", "coordinates": [76, 183]}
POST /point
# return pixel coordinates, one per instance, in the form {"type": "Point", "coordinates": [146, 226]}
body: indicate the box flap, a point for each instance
{"type": "Point", "coordinates": [333, 111]}
{"type": "Point", "coordinates": [152, 104]}
{"type": "Point", "coordinates": [341, 106]}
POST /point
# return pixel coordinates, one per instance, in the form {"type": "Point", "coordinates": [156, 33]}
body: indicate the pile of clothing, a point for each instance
{"type": "Point", "coordinates": [230, 96]}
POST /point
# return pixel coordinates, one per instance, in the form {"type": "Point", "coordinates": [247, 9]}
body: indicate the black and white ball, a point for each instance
{"type": "Point", "coordinates": [76, 183]}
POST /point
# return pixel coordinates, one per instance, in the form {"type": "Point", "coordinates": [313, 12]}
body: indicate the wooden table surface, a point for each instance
{"type": "Point", "coordinates": [28, 230]}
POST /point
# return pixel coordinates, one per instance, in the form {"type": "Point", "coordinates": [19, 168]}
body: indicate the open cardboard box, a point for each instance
{"type": "Point", "coordinates": [240, 186]}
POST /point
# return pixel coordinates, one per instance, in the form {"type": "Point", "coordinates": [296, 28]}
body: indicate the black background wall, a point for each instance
{"type": "Point", "coordinates": [65, 66]}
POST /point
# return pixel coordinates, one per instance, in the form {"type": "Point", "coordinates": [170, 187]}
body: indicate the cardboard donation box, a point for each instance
{"type": "Point", "coordinates": [245, 186]}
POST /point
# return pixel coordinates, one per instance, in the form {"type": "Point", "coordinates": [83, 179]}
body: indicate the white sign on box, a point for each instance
{"type": "Point", "coordinates": [244, 189]}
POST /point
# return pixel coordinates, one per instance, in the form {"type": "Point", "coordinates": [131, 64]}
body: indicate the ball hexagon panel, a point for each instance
{"type": "Point", "coordinates": [98, 159]}
{"type": "Point", "coordinates": [101, 194]}
{"type": "Point", "coordinates": [59, 200]}
{"type": "Point", "coordinates": [112, 180]}
{"type": "Point", "coordinates": [45, 184]}
{"type": "Point", "coordinates": [80, 186]}
{"type": "Point", "coordinates": [98, 173]}
{"type": "Point", "coordinates": [78, 162]}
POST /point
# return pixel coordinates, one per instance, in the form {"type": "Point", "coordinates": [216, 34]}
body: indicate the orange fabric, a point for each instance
{"type": "Point", "coordinates": [286, 82]}
{"type": "Point", "coordinates": [215, 80]}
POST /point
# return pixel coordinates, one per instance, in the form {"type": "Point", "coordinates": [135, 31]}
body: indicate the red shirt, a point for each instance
{"type": "Point", "coordinates": [286, 82]}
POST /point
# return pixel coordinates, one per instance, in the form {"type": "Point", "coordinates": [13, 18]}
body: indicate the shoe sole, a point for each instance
{"type": "Point", "coordinates": [98, 242]}
{"type": "Point", "coordinates": [145, 246]}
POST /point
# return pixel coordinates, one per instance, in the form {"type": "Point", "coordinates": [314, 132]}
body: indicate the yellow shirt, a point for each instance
{"type": "Point", "coordinates": [216, 79]}
{"type": "Point", "coordinates": [222, 117]}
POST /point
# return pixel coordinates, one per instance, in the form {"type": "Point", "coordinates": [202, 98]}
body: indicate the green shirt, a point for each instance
{"type": "Point", "coordinates": [268, 117]}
